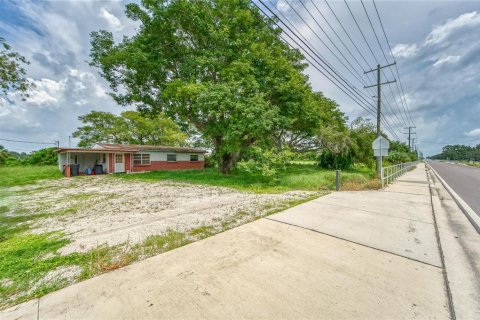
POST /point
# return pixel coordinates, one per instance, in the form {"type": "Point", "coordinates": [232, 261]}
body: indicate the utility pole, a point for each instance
{"type": "Point", "coordinates": [410, 145]}
{"type": "Point", "coordinates": [379, 104]}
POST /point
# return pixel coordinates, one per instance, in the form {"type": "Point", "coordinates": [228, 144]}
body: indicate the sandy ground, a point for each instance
{"type": "Point", "coordinates": [93, 211]}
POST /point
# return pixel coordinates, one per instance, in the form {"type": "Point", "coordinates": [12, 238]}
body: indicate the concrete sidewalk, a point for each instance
{"type": "Point", "coordinates": [348, 255]}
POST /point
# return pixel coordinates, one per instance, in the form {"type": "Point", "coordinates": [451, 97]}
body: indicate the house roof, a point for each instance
{"type": "Point", "coordinates": [112, 147]}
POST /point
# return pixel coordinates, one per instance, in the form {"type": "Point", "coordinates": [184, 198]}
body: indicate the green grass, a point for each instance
{"type": "Point", "coordinates": [299, 176]}
{"type": "Point", "coordinates": [22, 175]}
{"type": "Point", "coordinates": [26, 258]}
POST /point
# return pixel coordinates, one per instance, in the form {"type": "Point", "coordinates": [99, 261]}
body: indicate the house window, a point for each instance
{"type": "Point", "coordinates": [194, 157]}
{"type": "Point", "coordinates": [104, 158]}
{"type": "Point", "coordinates": [119, 158]}
{"type": "Point", "coordinates": [76, 159]}
{"type": "Point", "coordinates": [141, 159]}
{"type": "Point", "coordinates": [171, 157]}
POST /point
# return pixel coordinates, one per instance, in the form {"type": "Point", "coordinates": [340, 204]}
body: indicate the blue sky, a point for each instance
{"type": "Point", "coordinates": [436, 47]}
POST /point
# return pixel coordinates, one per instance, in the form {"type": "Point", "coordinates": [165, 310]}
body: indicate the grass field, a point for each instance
{"type": "Point", "coordinates": [22, 175]}
{"type": "Point", "coordinates": [299, 176]}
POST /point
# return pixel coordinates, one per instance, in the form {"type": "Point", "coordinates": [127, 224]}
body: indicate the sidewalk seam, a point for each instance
{"type": "Point", "coordinates": [351, 241]}
{"type": "Point", "coordinates": [370, 211]}
{"type": "Point", "coordinates": [451, 307]}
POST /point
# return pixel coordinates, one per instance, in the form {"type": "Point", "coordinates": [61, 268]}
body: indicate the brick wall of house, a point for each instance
{"type": "Point", "coordinates": [164, 165]}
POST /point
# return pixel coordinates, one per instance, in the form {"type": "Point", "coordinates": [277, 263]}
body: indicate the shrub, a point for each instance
{"type": "Point", "coordinates": [265, 162]}
{"type": "Point", "coordinates": [210, 161]}
{"type": "Point", "coordinates": [331, 161]}
{"type": "Point", "coordinates": [47, 156]}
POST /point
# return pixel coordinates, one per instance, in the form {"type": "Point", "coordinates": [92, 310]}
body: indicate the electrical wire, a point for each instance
{"type": "Point", "coordinates": [34, 142]}
{"type": "Point", "coordinates": [368, 45]}
{"type": "Point", "coordinates": [353, 95]}
{"type": "Point", "coordinates": [396, 68]}
{"type": "Point", "coordinates": [386, 60]}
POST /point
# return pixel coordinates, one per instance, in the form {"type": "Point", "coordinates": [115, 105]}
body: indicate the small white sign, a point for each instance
{"type": "Point", "coordinates": [380, 152]}
{"type": "Point", "coordinates": [380, 147]}
{"type": "Point", "coordinates": [380, 143]}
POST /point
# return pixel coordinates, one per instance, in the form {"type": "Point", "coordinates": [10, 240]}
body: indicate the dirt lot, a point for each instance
{"type": "Point", "coordinates": [54, 233]}
{"type": "Point", "coordinates": [92, 211]}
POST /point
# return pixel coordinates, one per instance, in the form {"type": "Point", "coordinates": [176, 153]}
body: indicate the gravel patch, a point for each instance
{"type": "Point", "coordinates": [93, 211]}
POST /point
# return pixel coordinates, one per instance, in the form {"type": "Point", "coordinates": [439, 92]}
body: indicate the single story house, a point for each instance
{"type": "Point", "coordinates": [116, 158]}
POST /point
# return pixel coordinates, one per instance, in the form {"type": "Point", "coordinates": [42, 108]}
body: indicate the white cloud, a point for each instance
{"type": "Point", "coordinates": [402, 50]}
{"type": "Point", "coordinates": [473, 133]}
{"type": "Point", "coordinates": [112, 20]}
{"type": "Point", "coordinates": [441, 32]}
{"type": "Point", "coordinates": [45, 92]}
{"type": "Point", "coordinates": [448, 59]}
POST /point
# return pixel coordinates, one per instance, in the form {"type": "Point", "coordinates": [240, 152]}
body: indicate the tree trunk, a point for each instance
{"type": "Point", "coordinates": [228, 161]}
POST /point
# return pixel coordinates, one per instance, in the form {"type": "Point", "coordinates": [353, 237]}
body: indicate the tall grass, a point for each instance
{"type": "Point", "coordinates": [295, 177]}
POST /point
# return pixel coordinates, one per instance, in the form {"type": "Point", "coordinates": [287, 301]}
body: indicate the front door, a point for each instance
{"type": "Point", "coordinates": [119, 162]}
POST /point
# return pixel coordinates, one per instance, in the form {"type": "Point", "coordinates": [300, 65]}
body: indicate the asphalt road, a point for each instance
{"type": "Point", "coordinates": [464, 180]}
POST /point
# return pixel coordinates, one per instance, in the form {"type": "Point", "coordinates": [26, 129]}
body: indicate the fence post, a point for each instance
{"type": "Point", "coordinates": [337, 180]}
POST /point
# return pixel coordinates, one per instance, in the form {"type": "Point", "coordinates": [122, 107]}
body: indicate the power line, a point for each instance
{"type": "Point", "coordinates": [356, 48]}
{"type": "Point", "coordinates": [350, 88]}
{"type": "Point", "coordinates": [387, 124]}
{"type": "Point", "coordinates": [309, 45]}
{"type": "Point", "coordinates": [367, 43]}
{"type": "Point", "coordinates": [375, 58]}
{"type": "Point", "coordinates": [357, 75]}
{"type": "Point", "coordinates": [386, 61]}
{"type": "Point", "coordinates": [33, 142]}
{"type": "Point", "coordinates": [352, 93]}
{"type": "Point", "coordinates": [359, 78]}
{"type": "Point", "coordinates": [396, 68]}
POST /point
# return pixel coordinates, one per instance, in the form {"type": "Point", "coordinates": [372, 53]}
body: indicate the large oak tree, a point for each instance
{"type": "Point", "coordinates": [218, 65]}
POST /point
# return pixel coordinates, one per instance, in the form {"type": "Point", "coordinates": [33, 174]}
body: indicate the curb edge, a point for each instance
{"type": "Point", "coordinates": [469, 213]}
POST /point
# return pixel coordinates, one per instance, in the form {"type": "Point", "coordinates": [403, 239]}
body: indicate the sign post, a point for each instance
{"type": "Point", "coordinates": [380, 148]}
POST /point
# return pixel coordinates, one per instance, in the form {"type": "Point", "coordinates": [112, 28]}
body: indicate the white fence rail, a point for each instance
{"type": "Point", "coordinates": [391, 173]}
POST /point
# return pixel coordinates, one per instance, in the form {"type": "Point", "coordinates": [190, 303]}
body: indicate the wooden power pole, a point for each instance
{"type": "Point", "coordinates": [379, 104]}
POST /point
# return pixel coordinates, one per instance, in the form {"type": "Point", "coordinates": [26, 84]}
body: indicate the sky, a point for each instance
{"type": "Point", "coordinates": [436, 45]}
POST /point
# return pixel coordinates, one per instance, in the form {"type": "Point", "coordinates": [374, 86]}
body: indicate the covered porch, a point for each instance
{"type": "Point", "coordinates": [79, 161]}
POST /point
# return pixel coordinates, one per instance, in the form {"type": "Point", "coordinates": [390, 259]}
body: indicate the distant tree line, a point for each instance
{"type": "Point", "coordinates": [459, 152]}
{"type": "Point", "coordinates": [46, 156]}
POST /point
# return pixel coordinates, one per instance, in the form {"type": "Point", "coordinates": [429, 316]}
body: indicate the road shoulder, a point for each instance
{"type": "Point", "coordinates": [461, 251]}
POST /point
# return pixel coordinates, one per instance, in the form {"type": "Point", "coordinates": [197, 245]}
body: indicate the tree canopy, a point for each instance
{"type": "Point", "coordinates": [130, 127]}
{"type": "Point", "coordinates": [46, 156]}
{"type": "Point", "coordinates": [218, 65]}
{"type": "Point", "coordinates": [12, 71]}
